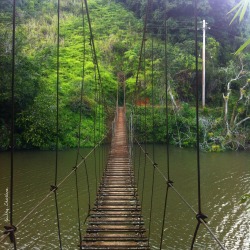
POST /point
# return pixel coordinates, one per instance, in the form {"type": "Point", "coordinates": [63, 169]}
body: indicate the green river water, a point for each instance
{"type": "Point", "coordinates": [224, 178]}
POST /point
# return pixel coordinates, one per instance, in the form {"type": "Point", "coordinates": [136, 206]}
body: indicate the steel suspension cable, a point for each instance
{"type": "Point", "coordinates": [139, 166]}
{"type": "Point", "coordinates": [145, 129]}
{"type": "Point", "coordinates": [140, 149]}
{"type": "Point", "coordinates": [79, 128]}
{"type": "Point", "coordinates": [88, 188]}
{"type": "Point", "coordinates": [135, 97]}
{"type": "Point", "coordinates": [82, 84]}
{"type": "Point", "coordinates": [13, 110]}
{"type": "Point", "coordinates": [153, 96]}
{"type": "Point", "coordinates": [92, 40]}
{"type": "Point", "coordinates": [99, 131]}
{"type": "Point", "coordinates": [199, 215]}
{"type": "Point", "coordinates": [103, 130]}
{"type": "Point", "coordinates": [164, 215]}
{"type": "Point", "coordinates": [153, 135]}
{"type": "Point", "coordinates": [167, 127]}
{"type": "Point", "coordinates": [97, 87]}
{"type": "Point", "coordinates": [95, 110]}
{"type": "Point", "coordinates": [95, 117]}
{"type": "Point", "coordinates": [197, 123]}
{"type": "Point", "coordinates": [140, 132]}
{"type": "Point", "coordinates": [135, 109]}
{"type": "Point", "coordinates": [148, 7]}
{"type": "Point", "coordinates": [133, 127]}
{"type": "Point", "coordinates": [166, 95]}
{"type": "Point", "coordinates": [78, 208]}
{"type": "Point", "coordinates": [97, 68]}
{"type": "Point", "coordinates": [101, 150]}
{"type": "Point", "coordinates": [55, 187]}
{"type": "Point", "coordinates": [197, 111]}
{"type": "Point", "coordinates": [10, 229]}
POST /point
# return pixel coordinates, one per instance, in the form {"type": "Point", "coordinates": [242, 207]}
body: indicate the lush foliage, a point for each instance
{"type": "Point", "coordinates": [224, 123]}
{"type": "Point", "coordinates": [36, 76]}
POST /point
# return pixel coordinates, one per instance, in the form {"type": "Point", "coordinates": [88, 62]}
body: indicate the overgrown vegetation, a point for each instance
{"type": "Point", "coordinates": [224, 123]}
{"type": "Point", "coordinates": [117, 28]}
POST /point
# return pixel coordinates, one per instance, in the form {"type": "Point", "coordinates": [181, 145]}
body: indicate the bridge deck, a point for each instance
{"type": "Point", "coordinates": [115, 221]}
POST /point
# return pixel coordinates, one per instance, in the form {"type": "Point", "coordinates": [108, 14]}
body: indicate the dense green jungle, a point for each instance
{"type": "Point", "coordinates": [117, 32]}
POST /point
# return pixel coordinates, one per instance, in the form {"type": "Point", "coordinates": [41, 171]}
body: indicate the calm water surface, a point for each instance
{"type": "Point", "coordinates": [225, 177]}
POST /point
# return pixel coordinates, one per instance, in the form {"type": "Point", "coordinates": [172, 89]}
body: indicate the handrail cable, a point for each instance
{"type": "Point", "coordinates": [54, 187]}
{"type": "Point", "coordinates": [155, 165]}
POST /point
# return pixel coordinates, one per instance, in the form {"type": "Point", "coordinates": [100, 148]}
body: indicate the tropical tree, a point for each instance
{"type": "Point", "coordinates": [241, 9]}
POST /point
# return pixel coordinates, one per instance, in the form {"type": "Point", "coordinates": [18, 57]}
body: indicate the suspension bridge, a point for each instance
{"type": "Point", "coordinates": [115, 221]}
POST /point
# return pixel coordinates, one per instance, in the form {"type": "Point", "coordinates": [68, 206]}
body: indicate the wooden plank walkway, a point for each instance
{"type": "Point", "coordinates": [116, 222]}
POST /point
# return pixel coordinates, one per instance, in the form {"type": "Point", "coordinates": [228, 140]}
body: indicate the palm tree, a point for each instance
{"type": "Point", "coordinates": [240, 10]}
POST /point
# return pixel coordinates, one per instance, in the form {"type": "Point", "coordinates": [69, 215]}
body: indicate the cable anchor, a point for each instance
{"type": "Point", "coordinates": [53, 188]}
{"type": "Point", "coordinates": [10, 229]}
{"type": "Point", "coordinates": [170, 183]}
{"type": "Point", "coordinates": [155, 165]}
{"type": "Point", "coordinates": [201, 217]}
